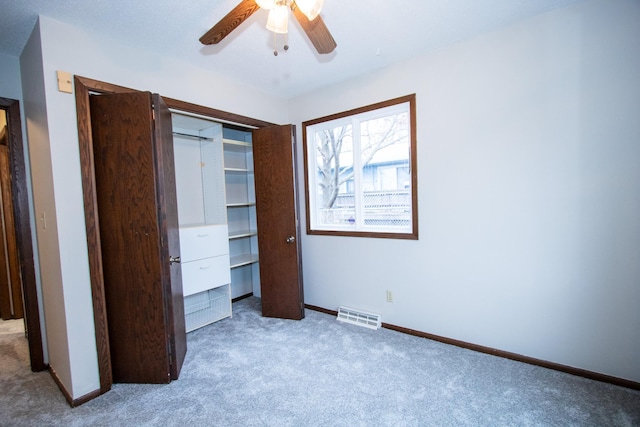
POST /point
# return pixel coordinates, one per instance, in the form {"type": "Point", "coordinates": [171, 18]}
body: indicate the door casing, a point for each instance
{"type": "Point", "coordinates": [22, 221]}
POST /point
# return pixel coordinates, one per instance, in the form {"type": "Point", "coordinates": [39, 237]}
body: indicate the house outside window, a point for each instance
{"type": "Point", "coordinates": [360, 167]}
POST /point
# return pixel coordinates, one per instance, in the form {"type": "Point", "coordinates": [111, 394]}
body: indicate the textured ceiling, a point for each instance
{"type": "Point", "coordinates": [371, 34]}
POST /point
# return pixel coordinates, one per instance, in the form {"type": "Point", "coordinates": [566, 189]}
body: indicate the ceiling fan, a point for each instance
{"type": "Point", "coordinates": [306, 13]}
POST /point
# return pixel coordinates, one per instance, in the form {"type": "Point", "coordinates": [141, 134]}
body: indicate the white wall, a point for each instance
{"type": "Point", "coordinates": [529, 193]}
{"type": "Point", "coordinates": [52, 127]}
{"type": "Point", "coordinates": [44, 202]}
{"type": "Point", "coordinates": [35, 118]}
{"type": "Point", "coordinates": [10, 86]}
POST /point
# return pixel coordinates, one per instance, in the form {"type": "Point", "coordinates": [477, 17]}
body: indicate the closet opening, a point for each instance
{"type": "Point", "coordinates": [84, 89]}
{"type": "Point", "coordinates": [202, 136]}
{"type": "Point", "coordinates": [215, 191]}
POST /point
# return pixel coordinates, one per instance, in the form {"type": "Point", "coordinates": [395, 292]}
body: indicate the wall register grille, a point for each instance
{"type": "Point", "coordinates": [358, 317]}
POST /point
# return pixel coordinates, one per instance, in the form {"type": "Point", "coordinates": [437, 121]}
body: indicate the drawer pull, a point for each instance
{"type": "Point", "coordinates": [204, 268]}
{"type": "Point", "coordinates": [202, 235]}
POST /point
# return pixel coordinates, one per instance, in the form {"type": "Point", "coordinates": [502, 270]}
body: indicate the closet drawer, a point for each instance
{"type": "Point", "coordinates": [203, 241]}
{"type": "Point", "coordinates": [208, 273]}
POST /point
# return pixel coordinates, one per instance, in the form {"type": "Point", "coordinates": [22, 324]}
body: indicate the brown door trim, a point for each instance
{"type": "Point", "coordinates": [83, 88]}
{"type": "Point", "coordinates": [22, 221]}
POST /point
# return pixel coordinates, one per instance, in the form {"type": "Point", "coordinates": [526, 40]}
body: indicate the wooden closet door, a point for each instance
{"type": "Point", "coordinates": [137, 219]}
{"type": "Point", "coordinates": [277, 217]}
{"type": "Point", "coordinates": [168, 222]}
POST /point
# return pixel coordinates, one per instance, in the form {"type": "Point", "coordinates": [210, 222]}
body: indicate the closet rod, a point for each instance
{"type": "Point", "coordinates": [188, 135]}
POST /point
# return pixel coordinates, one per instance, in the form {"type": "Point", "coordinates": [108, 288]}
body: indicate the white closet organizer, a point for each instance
{"type": "Point", "coordinates": [202, 216]}
{"type": "Point", "coordinates": [205, 274]}
{"type": "Point", "coordinates": [241, 211]}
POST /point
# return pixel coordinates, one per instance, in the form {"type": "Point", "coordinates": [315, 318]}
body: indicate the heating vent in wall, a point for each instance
{"type": "Point", "coordinates": [358, 317]}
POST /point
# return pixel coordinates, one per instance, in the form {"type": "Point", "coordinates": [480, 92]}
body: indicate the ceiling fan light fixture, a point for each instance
{"type": "Point", "coordinates": [310, 8]}
{"type": "Point", "coordinates": [265, 4]}
{"type": "Point", "coordinates": [278, 20]}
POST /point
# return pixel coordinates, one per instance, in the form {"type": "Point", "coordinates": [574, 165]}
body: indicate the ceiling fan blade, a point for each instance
{"type": "Point", "coordinates": [316, 30]}
{"type": "Point", "coordinates": [227, 24]}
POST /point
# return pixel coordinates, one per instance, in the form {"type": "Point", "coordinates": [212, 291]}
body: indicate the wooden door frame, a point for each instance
{"type": "Point", "coordinates": [22, 220]}
{"type": "Point", "coordinates": [84, 87]}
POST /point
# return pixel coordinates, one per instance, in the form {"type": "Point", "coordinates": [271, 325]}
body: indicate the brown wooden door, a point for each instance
{"type": "Point", "coordinates": [10, 281]}
{"type": "Point", "coordinates": [135, 192]}
{"type": "Point", "coordinates": [277, 217]}
{"type": "Point", "coordinates": [168, 218]}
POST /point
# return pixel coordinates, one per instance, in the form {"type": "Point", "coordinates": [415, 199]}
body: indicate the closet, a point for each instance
{"type": "Point", "coordinates": [158, 202]}
{"type": "Point", "coordinates": [217, 173]}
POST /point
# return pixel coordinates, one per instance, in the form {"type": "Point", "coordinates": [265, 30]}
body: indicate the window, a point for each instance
{"type": "Point", "coordinates": [361, 173]}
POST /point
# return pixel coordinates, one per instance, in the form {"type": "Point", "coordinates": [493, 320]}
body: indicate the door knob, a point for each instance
{"type": "Point", "coordinates": [173, 259]}
{"type": "Point", "coordinates": [290, 239]}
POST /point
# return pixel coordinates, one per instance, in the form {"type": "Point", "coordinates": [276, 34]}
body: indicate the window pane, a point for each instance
{"type": "Point", "coordinates": [361, 171]}
{"type": "Point", "coordinates": [384, 149]}
{"type": "Point", "coordinates": [335, 190]}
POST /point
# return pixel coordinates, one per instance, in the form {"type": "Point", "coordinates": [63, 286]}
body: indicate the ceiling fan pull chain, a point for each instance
{"type": "Point", "coordinates": [275, 44]}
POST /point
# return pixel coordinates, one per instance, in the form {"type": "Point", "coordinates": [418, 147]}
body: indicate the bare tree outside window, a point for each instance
{"type": "Point", "coordinates": [333, 173]}
{"type": "Point", "coordinates": [335, 168]}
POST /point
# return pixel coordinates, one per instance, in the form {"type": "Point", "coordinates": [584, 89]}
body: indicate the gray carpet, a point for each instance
{"type": "Point", "coordinates": [255, 371]}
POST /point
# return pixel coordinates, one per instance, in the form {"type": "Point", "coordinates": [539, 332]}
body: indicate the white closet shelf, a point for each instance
{"type": "Point", "coordinates": [236, 142]}
{"type": "Point", "coordinates": [243, 259]}
{"type": "Point", "coordinates": [239, 170]}
{"type": "Point", "coordinates": [239, 234]}
{"type": "Point", "coordinates": [240, 205]}
{"type": "Point", "coordinates": [242, 239]}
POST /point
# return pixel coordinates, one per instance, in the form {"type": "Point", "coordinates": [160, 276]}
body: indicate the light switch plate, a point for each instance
{"type": "Point", "coordinates": [64, 82]}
